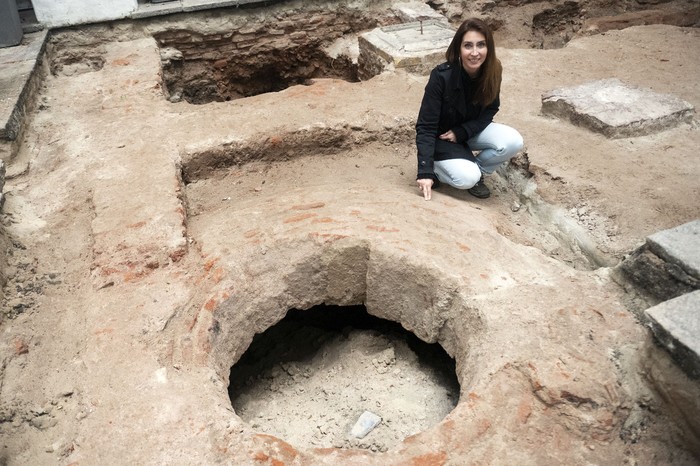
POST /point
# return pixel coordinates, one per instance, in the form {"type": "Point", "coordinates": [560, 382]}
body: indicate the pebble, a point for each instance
{"type": "Point", "coordinates": [16, 304]}
{"type": "Point", "coordinates": [56, 446]}
{"type": "Point", "coordinates": [43, 422]}
{"type": "Point", "coordinates": [365, 424]}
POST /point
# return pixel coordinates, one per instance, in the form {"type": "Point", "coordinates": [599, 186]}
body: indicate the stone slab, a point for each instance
{"type": "Point", "coordinates": [17, 65]}
{"type": "Point", "coordinates": [147, 10]}
{"type": "Point", "coordinates": [680, 246]}
{"type": "Point", "coordinates": [410, 12]}
{"type": "Point", "coordinates": [667, 265]}
{"type": "Point", "coordinates": [616, 109]}
{"type": "Point", "coordinates": [409, 44]}
{"type": "Point", "coordinates": [676, 325]}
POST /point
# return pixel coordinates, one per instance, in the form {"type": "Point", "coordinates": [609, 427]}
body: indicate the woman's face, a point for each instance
{"type": "Point", "coordinates": [473, 52]}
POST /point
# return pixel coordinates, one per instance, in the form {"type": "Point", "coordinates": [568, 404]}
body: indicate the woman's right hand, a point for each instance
{"type": "Point", "coordinates": [426, 187]}
{"type": "Point", "coordinates": [449, 136]}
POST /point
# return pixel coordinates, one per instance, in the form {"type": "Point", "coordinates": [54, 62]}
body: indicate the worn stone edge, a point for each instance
{"type": "Point", "coordinates": [13, 127]}
{"type": "Point", "coordinates": [660, 250]}
{"type": "Point", "coordinates": [686, 358]}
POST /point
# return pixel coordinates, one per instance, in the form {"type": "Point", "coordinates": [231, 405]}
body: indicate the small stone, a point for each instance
{"type": "Point", "coordinates": [16, 304]}
{"type": "Point", "coordinates": [43, 422]}
{"type": "Point", "coordinates": [515, 207]}
{"type": "Point", "coordinates": [161, 375]}
{"type": "Point", "coordinates": [6, 414]}
{"type": "Point", "coordinates": [365, 424]}
{"type": "Point", "coordinates": [56, 446]}
{"type": "Point", "coordinates": [21, 346]}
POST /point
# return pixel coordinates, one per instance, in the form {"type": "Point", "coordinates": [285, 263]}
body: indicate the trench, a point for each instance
{"type": "Point", "coordinates": [269, 55]}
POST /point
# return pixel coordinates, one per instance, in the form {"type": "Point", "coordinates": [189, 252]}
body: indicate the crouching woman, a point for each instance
{"type": "Point", "coordinates": [456, 116]}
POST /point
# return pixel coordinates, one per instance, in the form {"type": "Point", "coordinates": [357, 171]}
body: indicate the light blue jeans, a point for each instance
{"type": "Point", "coordinates": [497, 143]}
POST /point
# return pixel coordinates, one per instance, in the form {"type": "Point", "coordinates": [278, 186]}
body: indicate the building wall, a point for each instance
{"type": "Point", "coordinates": [52, 13]}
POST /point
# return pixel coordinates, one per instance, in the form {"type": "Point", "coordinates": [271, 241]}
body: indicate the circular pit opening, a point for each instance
{"type": "Point", "coordinates": [312, 379]}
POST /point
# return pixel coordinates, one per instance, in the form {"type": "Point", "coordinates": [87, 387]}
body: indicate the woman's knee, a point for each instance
{"type": "Point", "coordinates": [512, 142]}
{"type": "Point", "coordinates": [467, 178]}
{"type": "Point", "coordinates": [505, 141]}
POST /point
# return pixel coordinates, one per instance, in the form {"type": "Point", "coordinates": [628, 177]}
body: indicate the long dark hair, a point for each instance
{"type": "Point", "coordinates": [489, 81]}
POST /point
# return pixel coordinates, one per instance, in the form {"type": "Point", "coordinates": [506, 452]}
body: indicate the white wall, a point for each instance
{"type": "Point", "coordinates": [53, 13]}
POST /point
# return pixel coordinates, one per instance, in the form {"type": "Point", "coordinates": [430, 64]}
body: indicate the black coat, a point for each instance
{"type": "Point", "coordinates": [447, 105]}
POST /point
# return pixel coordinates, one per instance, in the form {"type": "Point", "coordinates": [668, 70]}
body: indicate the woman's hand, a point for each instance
{"type": "Point", "coordinates": [448, 136]}
{"type": "Point", "coordinates": [426, 187]}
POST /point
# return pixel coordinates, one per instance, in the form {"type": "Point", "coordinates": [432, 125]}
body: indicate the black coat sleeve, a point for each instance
{"type": "Point", "coordinates": [427, 126]}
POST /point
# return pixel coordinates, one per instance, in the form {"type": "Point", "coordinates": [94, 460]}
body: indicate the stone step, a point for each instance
{"type": "Point", "coordinates": [680, 246]}
{"type": "Point", "coordinates": [676, 325]}
{"type": "Point", "coordinates": [668, 264]}
{"type": "Point", "coordinates": [18, 81]}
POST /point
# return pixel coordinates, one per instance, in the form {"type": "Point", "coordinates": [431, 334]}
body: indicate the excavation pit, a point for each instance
{"type": "Point", "coordinates": [218, 75]}
{"type": "Point", "coordinates": [263, 54]}
{"type": "Point", "coordinates": [309, 378]}
{"type": "Point", "coordinates": [336, 329]}
{"type": "Point", "coordinates": [142, 331]}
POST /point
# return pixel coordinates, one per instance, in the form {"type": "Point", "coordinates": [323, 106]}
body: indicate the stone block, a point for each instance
{"type": "Point", "coordinates": [680, 246]}
{"type": "Point", "coordinates": [411, 12]}
{"type": "Point", "coordinates": [676, 325]}
{"type": "Point", "coordinates": [615, 109]}
{"type": "Point", "coordinates": [668, 264]}
{"type": "Point", "coordinates": [17, 65]}
{"type": "Point", "coordinates": [416, 46]}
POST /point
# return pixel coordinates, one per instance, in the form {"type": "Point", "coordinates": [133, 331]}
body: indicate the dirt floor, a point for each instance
{"type": "Point", "coordinates": [149, 242]}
